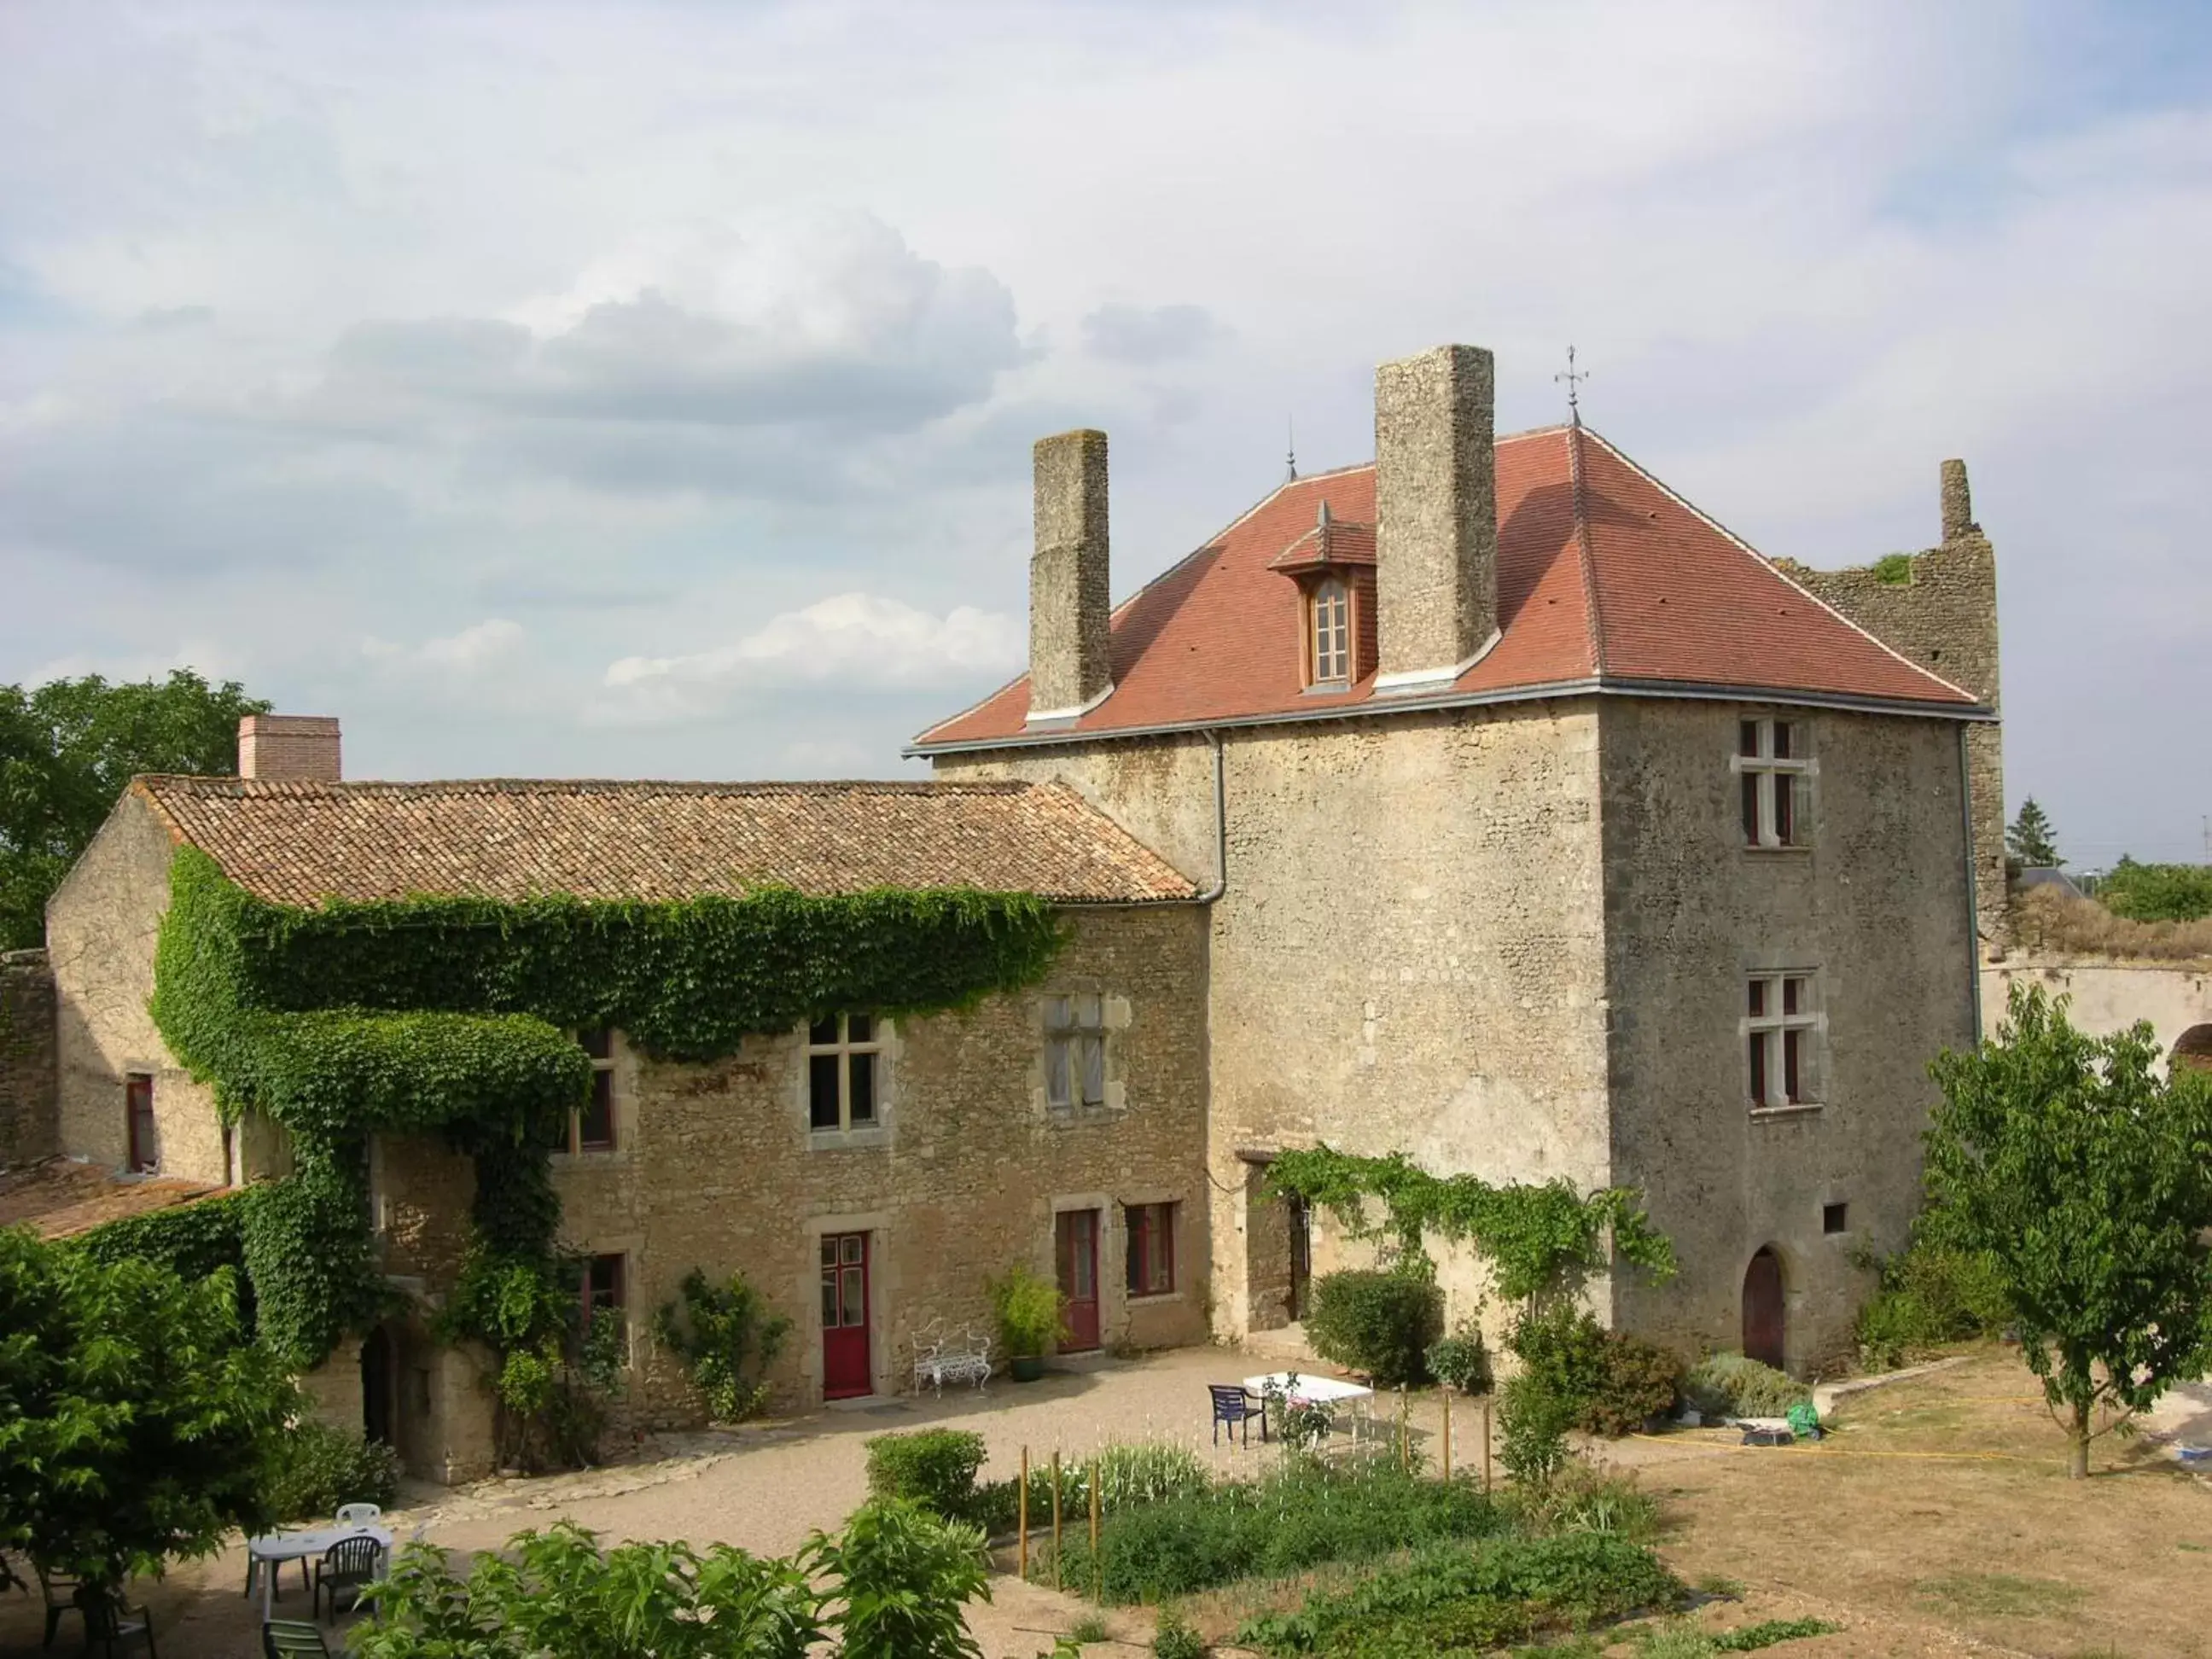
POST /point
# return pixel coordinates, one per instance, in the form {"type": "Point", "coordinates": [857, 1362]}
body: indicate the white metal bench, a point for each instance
{"type": "Point", "coordinates": [939, 1357]}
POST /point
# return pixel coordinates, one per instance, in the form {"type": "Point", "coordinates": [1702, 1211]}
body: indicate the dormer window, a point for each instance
{"type": "Point", "coordinates": [1329, 615]}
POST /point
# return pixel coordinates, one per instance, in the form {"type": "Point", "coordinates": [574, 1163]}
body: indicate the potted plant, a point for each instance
{"type": "Point", "coordinates": [1027, 1312]}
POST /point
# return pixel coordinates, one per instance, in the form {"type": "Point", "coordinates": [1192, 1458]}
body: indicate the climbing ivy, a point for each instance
{"type": "Point", "coordinates": [190, 1239]}
{"type": "Point", "coordinates": [447, 1015]}
{"type": "Point", "coordinates": [1539, 1240]}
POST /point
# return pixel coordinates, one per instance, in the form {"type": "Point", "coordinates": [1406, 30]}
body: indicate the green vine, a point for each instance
{"type": "Point", "coordinates": [1540, 1241]}
{"type": "Point", "coordinates": [452, 1016]}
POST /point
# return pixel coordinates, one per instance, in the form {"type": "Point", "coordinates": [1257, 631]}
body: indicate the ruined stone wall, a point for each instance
{"type": "Point", "coordinates": [102, 927]}
{"type": "Point", "coordinates": [2107, 996]}
{"type": "Point", "coordinates": [28, 1105]}
{"type": "Point", "coordinates": [1874, 908]}
{"type": "Point", "coordinates": [1408, 955]}
{"type": "Point", "coordinates": [1939, 609]}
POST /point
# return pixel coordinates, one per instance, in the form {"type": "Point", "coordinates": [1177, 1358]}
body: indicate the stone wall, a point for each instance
{"type": "Point", "coordinates": [1873, 908]}
{"type": "Point", "coordinates": [1408, 955]}
{"type": "Point", "coordinates": [2107, 996]}
{"type": "Point", "coordinates": [1941, 610]}
{"type": "Point", "coordinates": [28, 1103]}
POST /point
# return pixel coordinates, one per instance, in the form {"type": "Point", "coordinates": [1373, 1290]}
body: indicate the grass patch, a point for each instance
{"type": "Point", "coordinates": [1088, 1629]}
{"type": "Point", "coordinates": [1999, 1594]}
{"type": "Point", "coordinates": [1291, 1521]}
{"type": "Point", "coordinates": [1451, 1598]}
{"type": "Point", "coordinates": [1679, 1638]}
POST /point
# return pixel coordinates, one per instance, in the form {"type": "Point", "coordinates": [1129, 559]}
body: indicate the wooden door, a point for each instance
{"type": "Point", "coordinates": [377, 1372]}
{"type": "Point", "coordinates": [1076, 1235]}
{"type": "Point", "coordinates": [1301, 1219]}
{"type": "Point", "coordinates": [845, 1316]}
{"type": "Point", "coordinates": [1762, 1309]}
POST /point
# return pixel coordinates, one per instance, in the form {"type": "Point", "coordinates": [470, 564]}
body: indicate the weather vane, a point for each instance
{"type": "Point", "coordinates": [1573, 378]}
{"type": "Point", "coordinates": [1290, 434]}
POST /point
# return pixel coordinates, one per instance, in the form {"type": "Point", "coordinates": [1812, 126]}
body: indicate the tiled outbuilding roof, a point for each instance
{"type": "Point", "coordinates": [298, 843]}
{"type": "Point", "coordinates": [60, 1198]}
{"type": "Point", "coordinates": [1606, 580]}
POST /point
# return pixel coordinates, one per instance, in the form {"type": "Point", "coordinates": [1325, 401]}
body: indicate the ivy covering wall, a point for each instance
{"type": "Point", "coordinates": [452, 1015]}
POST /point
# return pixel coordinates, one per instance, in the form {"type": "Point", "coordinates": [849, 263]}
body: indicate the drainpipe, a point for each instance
{"type": "Point", "coordinates": [1973, 913]}
{"type": "Point", "coordinates": [1220, 825]}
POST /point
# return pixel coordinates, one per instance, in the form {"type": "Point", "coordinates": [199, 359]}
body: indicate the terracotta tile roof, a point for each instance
{"type": "Point", "coordinates": [1637, 588]}
{"type": "Point", "coordinates": [297, 843]}
{"type": "Point", "coordinates": [58, 1197]}
{"type": "Point", "coordinates": [1333, 541]}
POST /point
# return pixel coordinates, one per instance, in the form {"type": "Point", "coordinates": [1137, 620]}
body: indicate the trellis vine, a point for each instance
{"type": "Point", "coordinates": [451, 1015]}
{"type": "Point", "coordinates": [1539, 1240]}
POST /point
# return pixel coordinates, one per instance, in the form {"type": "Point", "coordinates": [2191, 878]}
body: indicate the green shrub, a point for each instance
{"type": "Point", "coordinates": [1295, 1519]}
{"type": "Point", "coordinates": [1028, 1311]}
{"type": "Point", "coordinates": [2157, 893]}
{"type": "Point", "coordinates": [314, 1467]}
{"type": "Point", "coordinates": [1174, 1639]}
{"type": "Point", "coordinates": [935, 1468]}
{"type": "Point", "coordinates": [1140, 1472]}
{"type": "Point", "coordinates": [1452, 1600]}
{"type": "Point", "coordinates": [1927, 1297]}
{"type": "Point", "coordinates": [1894, 569]}
{"type": "Point", "coordinates": [1613, 1382]}
{"type": "Point", "coordinates": [1533, 1420]}
{"type": "Point", "coordinates": [1582, 1499]}
{"type": "Point", "coordinates": [1378, 1323]}
{"type": "Point", "coordinates": [726, 1341]}
{"type": "Point", "coordinates": [1729, 1385]}
{"type": "Point", "coordinates": [1640, 1381]}
{"type": "Point", "coordinates": [1460, 1359]}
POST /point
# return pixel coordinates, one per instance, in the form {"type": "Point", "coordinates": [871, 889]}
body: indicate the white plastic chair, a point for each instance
{"type": "Point", "coordinates": [353, 1514]}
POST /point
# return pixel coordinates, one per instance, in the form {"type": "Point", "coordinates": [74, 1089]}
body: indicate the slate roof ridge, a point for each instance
{"type": "Point", "coordinates": [1593, 617]}
{"type": "Point", "coordinates": [304, 788]}
{"type": "Point", "coordinates": [1766, 563]}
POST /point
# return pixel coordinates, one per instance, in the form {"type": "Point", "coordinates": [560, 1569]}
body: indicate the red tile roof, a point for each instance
{"type": "Point", "coordinates": [1636, 589]}
{"type": "Point", "coordinates": [504, 838]}
{"type": "Point", "coordinates": [60, 1198]}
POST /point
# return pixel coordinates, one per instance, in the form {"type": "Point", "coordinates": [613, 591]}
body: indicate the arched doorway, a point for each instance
{"type": "Point", "coordinates": [1762, 1309]}
{"type": "Point", "coordinates": [2192, 1049]}
{"type": "Point", "coordinates": [376, 1378]}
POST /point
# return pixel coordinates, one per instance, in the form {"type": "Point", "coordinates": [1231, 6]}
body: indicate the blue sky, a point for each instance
{"type": "Point", "coordinates": [648, 389]}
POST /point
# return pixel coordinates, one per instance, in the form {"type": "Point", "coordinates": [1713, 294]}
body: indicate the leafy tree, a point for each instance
{"type": "Point", "coordinates": [136, 1418]}
{"type": "Point", "coordinates": [2031, 838]}
{"type": "Point", "coordinates": [904, 1575]}
{"type": "Point", "coordinates": [2157, 893]}
{"type": "Point", "coordinates": [66, 751]}
{"type": "Point", "coordinates": [2086, 1180]}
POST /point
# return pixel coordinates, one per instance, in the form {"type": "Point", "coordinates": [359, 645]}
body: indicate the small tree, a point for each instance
{"type": "Point", "coordinates": [135, 1419]}
{"type": "Point", "coordinates": [725, 1338]}
{"type": "Point", "coordinates": [2086, 1179]}
{"type": "Point", "coordinates": [2032, 839]}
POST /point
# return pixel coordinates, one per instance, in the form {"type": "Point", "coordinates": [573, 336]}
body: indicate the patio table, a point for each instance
{"type": "Point", "coordinates": [1320, 1390]}
{"type": "Point", "coordinates": [278, 1547]}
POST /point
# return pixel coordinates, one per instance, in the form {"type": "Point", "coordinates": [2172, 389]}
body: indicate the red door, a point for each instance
{"type": "Point", "coordinates": [1077, 1237]}
{"type": "Point", "coordinates": [845, 1315]}
{"type": "Point", "coordinates": [1762, 1309]}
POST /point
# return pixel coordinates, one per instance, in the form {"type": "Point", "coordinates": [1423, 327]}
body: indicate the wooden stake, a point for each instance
{"type": "Point", "coordinates": [1097, 1562]}
{"type": "Point", "coordinates": [1448, 1393]}
{"type": "Point", "coordinates": [1405, 1446]}
{"type": "Point", "coordinates": [1055, 1517]}
{"type": "Point", "coordinates": [1022, 1521]}
{"type": "Point", "coordinates": [1485, 1443]}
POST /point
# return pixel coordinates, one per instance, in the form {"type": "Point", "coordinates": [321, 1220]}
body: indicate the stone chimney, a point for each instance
{"type": "Point", "coordinates": [1436, 517]}
{"type": "Point", "coordinates": [1958, 503]}
{"type": "Point", "coordinates": [1070, 668]}
{"type": "Point", "coordinates": [289, 748]}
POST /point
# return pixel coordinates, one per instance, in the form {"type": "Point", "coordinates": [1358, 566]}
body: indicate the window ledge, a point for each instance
{"type": "Point", "coordinates": [1154, 1298]}
{"type": "Point", "coordinates": [1800, 849]}
{"type": "Point", "coordinates": [1795, 1108]}
{"type": "Point", "coordinates": [875, 1135]}
{"type": "Point", "coordinates": [590, 1158]}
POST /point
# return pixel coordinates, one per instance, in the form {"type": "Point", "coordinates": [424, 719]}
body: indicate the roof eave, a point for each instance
{"type": "Point", "coordinates": [1609, 685]}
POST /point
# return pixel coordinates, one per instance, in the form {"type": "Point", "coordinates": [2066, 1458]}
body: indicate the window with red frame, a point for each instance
{"type": "Point", "coordinates": [1151, 1249]}
{"type": "Point", "coordinates": [138, 1109]}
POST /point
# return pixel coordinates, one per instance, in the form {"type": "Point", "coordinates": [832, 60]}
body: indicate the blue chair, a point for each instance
{"type": "Point", "coordinates": [1232, 1405]}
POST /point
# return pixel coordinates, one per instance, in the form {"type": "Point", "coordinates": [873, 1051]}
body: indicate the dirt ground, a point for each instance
{"type": "Point", "coordinates": [1935, 1519]}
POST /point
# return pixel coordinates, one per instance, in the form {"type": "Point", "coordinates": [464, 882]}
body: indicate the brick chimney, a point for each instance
{"type": "Point", "coordinates": [1958, 503]}
{"type": "Point", "coordinates": [1070, 669]}
{"type": "Point", "coordinates": [289, 748]}
{"type": "Point", "coordinates": [1436, 517]}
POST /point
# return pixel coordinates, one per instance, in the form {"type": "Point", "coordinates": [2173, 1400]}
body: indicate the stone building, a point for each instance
{"type": "Point", "coordinates": [1557, 832]}
{"type": "Point", "coordinates": [868, 1174]}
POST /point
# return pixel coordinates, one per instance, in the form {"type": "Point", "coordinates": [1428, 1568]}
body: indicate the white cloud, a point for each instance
{"type": "Point", "coordinates": [474, 650]}
{"type": "Point", "coordinates": [850, 640]}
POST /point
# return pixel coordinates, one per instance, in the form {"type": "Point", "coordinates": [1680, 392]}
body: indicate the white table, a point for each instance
{"type": "Point", "coordinates": [1320, 1390]}
{"type": "Point", "coordinates": [272, 1552]}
